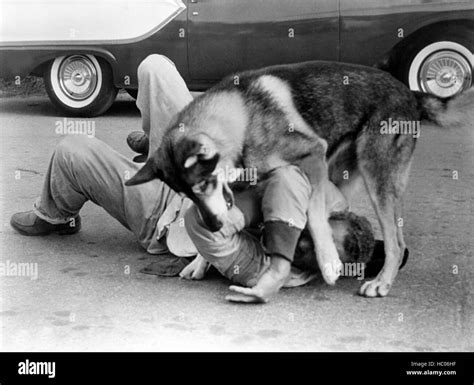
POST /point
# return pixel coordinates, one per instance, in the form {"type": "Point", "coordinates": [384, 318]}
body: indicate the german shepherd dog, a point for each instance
{"type": "Point", "coordinates": [327, 115]}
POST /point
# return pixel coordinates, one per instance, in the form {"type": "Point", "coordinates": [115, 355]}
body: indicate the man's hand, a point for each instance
{"type": "Point", "coordinates": [196, 270]}
{"type": "Point", "coordinates": [269, 283]}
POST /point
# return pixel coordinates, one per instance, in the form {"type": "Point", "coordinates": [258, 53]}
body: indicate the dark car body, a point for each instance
{"type": "Point", "coordinates": [212, 38]}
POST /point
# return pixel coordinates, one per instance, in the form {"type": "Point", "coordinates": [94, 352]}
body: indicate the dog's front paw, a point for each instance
{"type": "Point", "coordinates": [196, 270]}
{"type": "Point", "coordinates": [379, 287]}
{"type": "Point", "coordinates": [332, 270]}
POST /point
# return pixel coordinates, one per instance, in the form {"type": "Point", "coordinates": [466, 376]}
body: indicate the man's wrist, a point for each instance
{"type": "Point", "coordinates": [280, 265]}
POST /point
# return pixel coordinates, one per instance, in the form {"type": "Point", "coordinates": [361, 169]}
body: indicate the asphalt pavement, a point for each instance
{"type": "Point", "coordinates": [89, 295]}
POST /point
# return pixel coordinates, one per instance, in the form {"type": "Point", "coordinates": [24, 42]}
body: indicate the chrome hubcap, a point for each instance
{"type": "Point", "coordinates": [445, 73]}
{"type": "Point", "coordinates": [77, 77]}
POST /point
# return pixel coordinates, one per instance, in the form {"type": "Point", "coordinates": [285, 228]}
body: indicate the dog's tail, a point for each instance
{"type": "Point", "coordinates": [451, 112]}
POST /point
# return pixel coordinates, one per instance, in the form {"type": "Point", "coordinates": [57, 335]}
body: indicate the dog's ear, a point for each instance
{"type": "Point", "coordinates": [147, 173]}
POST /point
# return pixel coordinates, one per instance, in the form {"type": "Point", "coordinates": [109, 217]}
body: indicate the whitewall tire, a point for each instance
{"type": "Point", "coordinates": [80, 85]}
{"type": "Point", "coordinates": [442, 68]}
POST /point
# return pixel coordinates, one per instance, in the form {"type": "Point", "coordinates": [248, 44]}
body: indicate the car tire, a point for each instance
{"type": "Point", "coordinates": [80, 85]}
{"type": "Point", "coordinates": [440, 64]}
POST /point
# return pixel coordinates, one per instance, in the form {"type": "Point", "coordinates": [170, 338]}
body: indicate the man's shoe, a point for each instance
{"type": "Point", "coordinates": [138, 142]}
{"type": "Point", "coordinates": [28, 223]}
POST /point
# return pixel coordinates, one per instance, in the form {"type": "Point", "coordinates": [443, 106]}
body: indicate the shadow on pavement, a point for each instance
{"type": "Point", "coordinates": [124, 106]}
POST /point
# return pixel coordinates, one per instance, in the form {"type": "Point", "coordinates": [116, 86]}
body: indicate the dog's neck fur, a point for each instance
{"type": "Point", "coordinates": [224, 122]}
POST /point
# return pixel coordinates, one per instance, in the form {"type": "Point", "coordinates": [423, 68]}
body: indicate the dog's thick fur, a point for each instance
{"type": "Point", "coordinates": [324, 117]}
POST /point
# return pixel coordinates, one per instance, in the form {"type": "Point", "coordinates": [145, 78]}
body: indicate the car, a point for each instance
{"type": "Point", "coordinates": [87, 50]}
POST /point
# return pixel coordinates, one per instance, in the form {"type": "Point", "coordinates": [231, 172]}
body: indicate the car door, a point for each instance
{"type": "Point", "coordinates": [233, 35]}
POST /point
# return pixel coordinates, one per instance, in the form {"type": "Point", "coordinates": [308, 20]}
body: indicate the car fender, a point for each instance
{"type": "Point", "coordinates": [19, 62]}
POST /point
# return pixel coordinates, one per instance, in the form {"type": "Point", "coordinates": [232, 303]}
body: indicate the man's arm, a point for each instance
{"type": "Point", "coordinates": [284, 206]}
{"type": "Point", "coordinates": [268, 285]}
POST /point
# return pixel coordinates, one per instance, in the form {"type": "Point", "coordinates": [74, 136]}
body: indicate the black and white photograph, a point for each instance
{"type": "Point", "coordinates": [237, 176]}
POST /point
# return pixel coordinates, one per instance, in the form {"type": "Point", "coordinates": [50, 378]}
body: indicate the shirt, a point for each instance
{"type": "Point", "coordinates": [170, 234]}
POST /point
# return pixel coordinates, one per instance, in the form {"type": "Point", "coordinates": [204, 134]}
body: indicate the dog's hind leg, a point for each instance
{"type": "Point", "coordinates": [402, 184]}
{"type": "Point", "coordinates": [400, 238]}
{"type": "Point", "coordinates": [385, 208]}
{"type": "Point", "coordinates": [343, 171]}
{"type": "Point", "coordinates": [385, 184]}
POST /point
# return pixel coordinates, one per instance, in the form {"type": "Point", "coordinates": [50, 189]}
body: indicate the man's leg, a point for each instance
{"type": "Point", "coordinates": [83, 169]}
{"type": "Point", "coordinates": [162, 93]}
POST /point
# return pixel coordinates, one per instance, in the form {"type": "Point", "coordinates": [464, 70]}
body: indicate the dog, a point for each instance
{"type": "Point", "coordinates": [328, 118]}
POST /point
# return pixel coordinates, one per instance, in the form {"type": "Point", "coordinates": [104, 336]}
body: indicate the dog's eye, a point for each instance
{"type": "Point", "coordinates": [201, 186]}
{"type": "Point", "coordinates": [204, 185]}
{"type": "Point", "coordinates": [197, 188]}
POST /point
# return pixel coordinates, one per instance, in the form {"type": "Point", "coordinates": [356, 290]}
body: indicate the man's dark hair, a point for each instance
{"type": "Point", "coordinates": [359, 241]}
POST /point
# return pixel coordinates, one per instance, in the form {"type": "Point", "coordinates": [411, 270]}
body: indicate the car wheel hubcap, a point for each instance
{"type": "Point", "coordinates": [445, 74]}
{"type": "Point", "coordinates": [77, 77]}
